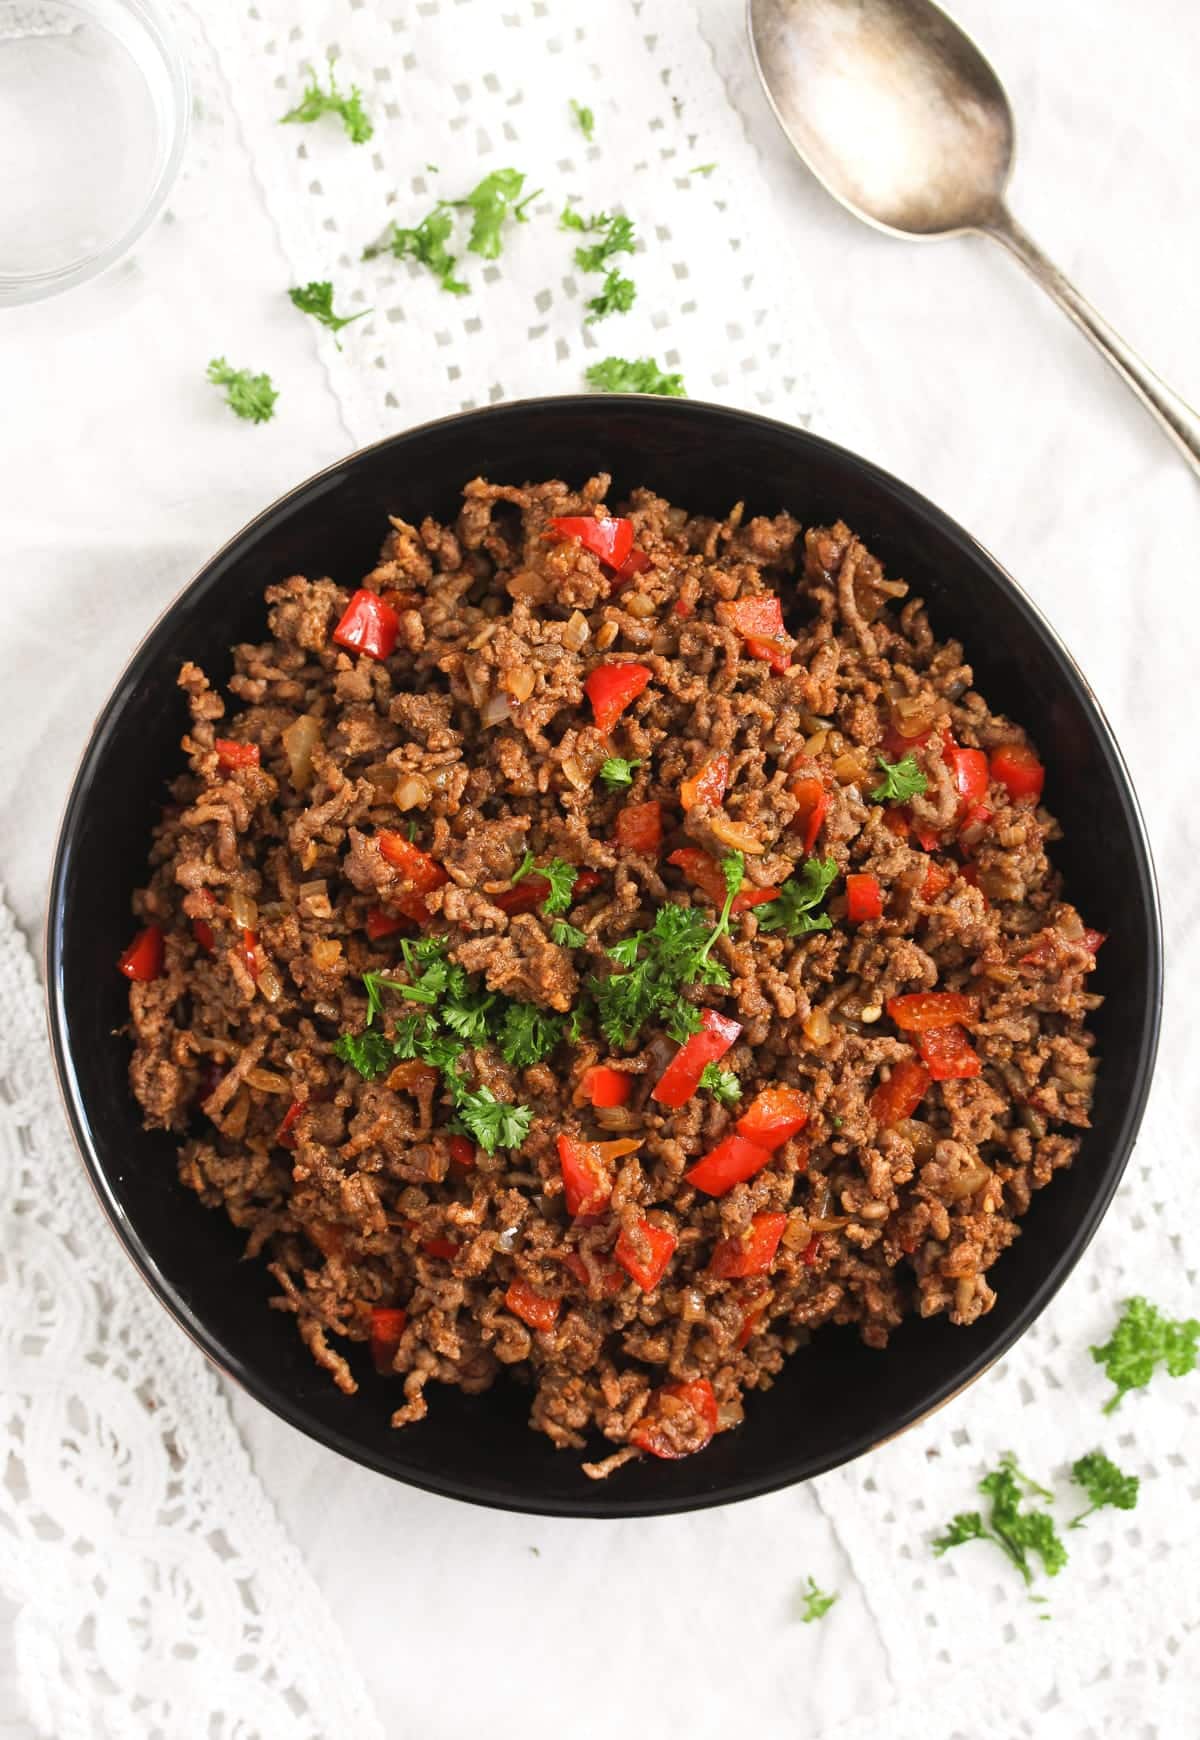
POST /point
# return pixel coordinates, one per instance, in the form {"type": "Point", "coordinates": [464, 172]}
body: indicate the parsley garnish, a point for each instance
{"type": "Point", "coordinates": [370, 1053]}
{"type": "Point", "coordinates": [657, 964]}
{"type": "Point", "coordinates": [722, 1084]}
{"type": "Point", "coordinates": [584, 119]}
{"type": "Point", "coordinates": [617, 296]}
{"type": "Point", "coordinates": [468, 1018]}
{"type": "Point", "coordinates": [901, 780]}
{"type": "Point", "coordinates": [1143, 1340]}
{"type": "Point", "coordinates": [1104, 1484]}
{"type": "Point", "coordinates": [527, 1035]}
{"type": "Point", "coordinates": [317, 299]}
{"type": "Point", "coordinates": [492, 1123]}
{"type": "Point", "coordinates": [493, 200]}
{"type": "Point", "coordinates": [315, 102]}
{"type": "Point", "coordinates": [816, 1602]}
{"type": "Point", "coordinates": [558, 873]}
{"type": "Point", "coordinates": [617, 237]}
{"type": "Point", "coordinates": [792, 910]}
{"type": "Point", "coordinates": [618, 374]}
{"type": "Point", "coordinates": [733, 869]}
{"type": "Point", "coordinates": [616, 771]}
{"type": "Point", "coordinates": [249, 396]}
{"type": "Point", "coordinates": [1017, 1532]}
{"type": "Point", "coordinates": [567, 936]}
{"type": "Point", "coordinates": [702, 169]}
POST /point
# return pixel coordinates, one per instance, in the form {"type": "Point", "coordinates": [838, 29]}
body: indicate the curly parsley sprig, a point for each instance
{"type": "Point", "coordinates": [315, 102]}
{"type": "Point", "coordinates": [1018, 1533]}
{"type": "Point", "coordinates": [901, 780]}
{"type": "Point", "coordinates": [1143, 1340]}
{"type": "Point", "coordinates": [249, 396]}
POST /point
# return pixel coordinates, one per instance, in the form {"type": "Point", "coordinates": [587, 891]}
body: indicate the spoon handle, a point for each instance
{"type": "Point", "coordinates": [1176, 417]}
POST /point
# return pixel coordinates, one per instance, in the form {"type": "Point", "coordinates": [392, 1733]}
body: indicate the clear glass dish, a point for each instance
{"type": "Point", "coordinates": [93, 117]}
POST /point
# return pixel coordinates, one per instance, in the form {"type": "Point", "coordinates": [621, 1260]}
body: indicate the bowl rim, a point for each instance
{"type": "Point", "coordinates": [598, 1499]}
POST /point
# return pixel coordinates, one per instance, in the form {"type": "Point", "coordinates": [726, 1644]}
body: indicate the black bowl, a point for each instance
{"type": "Point", "coordinates": [836, 1398]}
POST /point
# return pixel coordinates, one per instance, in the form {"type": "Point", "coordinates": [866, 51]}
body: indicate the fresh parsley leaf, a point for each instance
{"type": "Point", "coordinates": [1104, 1484]}
{"type": "Point", "coordinates": [901, 780]}
{"type": "Point", "coordinates": [1143, 1340]}
{"type": "Point", "coordinates": [702, 169]}
{"type": "Point", "coordinates": [616, 772]}
{"type": "Point", "coordinates": [575, 220]}
{"type": "Point", "coordinates": [733, 869]}
{"type": "Point", "coordinates": [496, 198]}
{"type": "Point", "coordinates": [440, 1051]}
{"type": "Point", "coordinates": [618, 374]}
{"type": "Point", "coordinates": [657, 965]}
{"type": "Point", "coordinates": [315, 102]}
{"type": "Point", "coordinates": [522, 870]}
{"type": "Point", "coordinates": [617, 296]}
{"type": "Point", "coordinates": [249, 396]}
{"type": "Point", "coordinates": [427, 245]}
{"type": "Point", "coordinates": [492, 1123]}
{"type": "Point", "coordinates": [722, 1084]}
{"type": "Point", "coordinates": [527, 1035]}
{"type": "Point", "coordinates": [567, 936]}
{"type": "Point", "coordinates": [1018, 1533]}
{"type": "Point", "coordinates": [617, 238]}
{"type": "Point", "coordinates": [816, 1602]}
{"type": "Point", "coordinates": [469, 1017]}
{"type": "Point", "coordinates": [793, 909]}
{"type": "Point", "coordinates": [625, 952]}
{"type": "Point", "coordinates": [584, 119]}
{"type": "Point", "coordinates": [317, 299]}
{"type": "Point", "coordinates": [370, 1053]}
{"type": "Point", "coordinates": [561, 876]}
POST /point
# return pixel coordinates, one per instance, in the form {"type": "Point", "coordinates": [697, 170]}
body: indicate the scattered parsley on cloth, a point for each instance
{"type": "Point", "coordinates": [493, 202]}
{"type": "Point", "coordinates": [317, 299]}
{"type": "Point", "coordinates": [1018, 1533]}
{"type": "Point", "coordinates": [618, 374]}
{"type": "Point", "coordinates": [1103, 1484]}
{"type": "Point", "coordinates": [249, 396]}
{"type": "Point", "coordinates": [316, 102]}
{"type": "Point", "coordinates": [814, 1602]}
{"type": "Point", "coordinates": [1143, 1340]}
{"type": "Point", "coordinates": [584, 119]}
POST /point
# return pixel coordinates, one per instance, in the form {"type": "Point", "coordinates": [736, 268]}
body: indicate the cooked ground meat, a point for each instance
{"type": "Point", "coordinates": [353, 809]}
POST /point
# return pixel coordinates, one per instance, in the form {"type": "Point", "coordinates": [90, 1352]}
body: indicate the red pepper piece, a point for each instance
{"type": "Point", "coordinates": [527, 896]}
{"type": "Point", "coordinates": [948, 1054]}
{"type": "Point", "coordinates": [440, 1247]}
{"type": "Point", "coordinates": [679, 1081]}
{"type": "Point", "coordinates": [1092, 939]}
{"type": "Point", "coordinates": [691, 1406]}
{"type": "Point", "coordinates": [283, 1135]}
{"type": "Point", "coordinates": [864, 898]}
{"type": "Point", "coordinates": [402, 600]}
{"type": "Point", "coordinates": [708, 785]}
{"type": "Point", "coordinates": [703, 871]}
{"type": "Point", "coordinates": [640, 828]}
{"type": "Point", "coordinates": [203, 933]}
{"type": "Point", "coordinates": [900, 1095]}
{"type": "Point", "coordinates": [920, 1011]}
{"type": "Point", "coordinates": [381, 923]}
{"type": "Point", "coordinates": [927, 838]}
{"type": "Point", "coordinates": [606, 1086]}
{"type": "Point", "coordinates": [896, 747]}
{"type": "Point", "coordinates": [636, 562]}
{"type": "Point", "coordinates": [811, 1253]}
{"type": "Point", "coordinates": [532, 1307]}
{"type": "Point", "coordinates": [143, 959]}
{"type": "Point", "coordinates": [969, 769]}
{"type": "Point", "coordinates": [729, 1163]}
{"type": "Point", "coordinates": [462, 1152]}
{"type": "Point", "coordinates": [611, 688]}
{"type": "Point", "coordinates": [587, 1183]}
{"type": "Point", "coordinates": [774, 1116]}
{"type": "Point", "coordinates": [646, 1270]}
{"type": "Point", "coordinates": [231, 754]}
{"type": "Point", "coordinates": [751, 1252]}
{"type": "Point", "coordinates": [368, 625]}
{"type": "Point", "coordinates": [759, 621]}
{"type": "Point", "coordinates": [610, 539]}
{"type": "Point", "coordinates": [421, 873]}
{"type": "Point", "coordinates": [609, 1278]}
{"type": "Point", "coordinates": [682, 607]}
{"type": "Point", "coordinates": [584, 883]}
{"type": "Point", "coordinates": [937, 880]}
{"type": "Point", "coordinates": [812, 802]}
{"type": "Point", "coordinates": [776, 653]}
{"type": "Point", "coordinates": [387, 1326]}
{"type": "Point", "coordinates": [1016, 766]}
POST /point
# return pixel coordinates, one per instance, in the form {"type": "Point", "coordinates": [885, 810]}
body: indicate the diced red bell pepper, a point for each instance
{"type": "Point", "coordinates": [584, 883]}
{"type": "Point", "coordinates": [636, 562]}
{"type": "Point", "coordinates": [646, 1270]}
{"type": "Point", "coordinates": [610, 539]}
{"type": "Point", "coordinates": [231, 754]}
{"type": "Point", "coordinates": [776, 653]}
{"type": "Point", "coordinates": [283, 1135]}
{"type": "Point", "coordinates": [610, 1279]}
{"type": "Point", "coordinates": [759, 621]}
{"type": "Point", "coordinates": [1092, 939]}
{"type": "Point", "coordinates": [640, 827]}
{"type": "Point", "coordinates": [896, 820]}
{"type": "Point", "coordinates": [444, 1248]}
{"type": "Point", "coordinates": [381, 923]}
{"type": "Point", "coordinates": [937, 880]}
{"type": "Point", "coordinates": [683, 607]}
{"type": "Point", "coordinates": [774, 1116]}
{"type": "Point", "coordinates": [972, 825]}
{"type": "Point", "coordinates": [610, 689]}
{"type": "Point", "coordinates": [864, 898]}
{"type": "Point", "coordinates": [143, 959]}
{"type": "Point", "coordinates": [812, 802]}
{"type": "Point", "coordinates": [927, 838]}
{"type": "Point", "coordinates": [900, 1095]}
{"type": "Point", "coordinates": [708, 785]}
{"type": "Point", "coordinates": [368, 625]}
{"type": "Point", "coordinates": [387, 1326]}
{"type": "Point", "coordinates": [530, 1306]}
{"type": "Point", "coordinates": [203, 933]}
{"type": "Point", "coordinates": [418, 868]}
{"type": "Point", "coordinates": [703, 871]}
{"type": "Point", "coordinates": [969, 770]}
{"type": "Point", "coordinates": [811, 1253]}
{"type": "Point", "coordinates": [1016, 766]}
{"type": "Point", "coordinates": [752, 1316]}
{"type": "Point", "coordinates": [606, 1086]}
{"type": "Point", "coordinates": [587, 1183]}
{"type": "Point", "coordinates": [751, 1252]}
{"type": "Point", "coordinates": [462, 1152]}
{"type": "Point", "coordinates": [729, 1163]}
{"type": "Point", "coordinates": [679, 1081]}
{"type": "Point", "coordinates": [920, 1011]}
{"type": "Point", "coordinates": [651, 1432]}
{"type": "Point", "coordinates": [948, 1054]}
{"type": "Point", "coordinates": [527, 896]}
{"type": "Point", "coordinates": [896, 746]}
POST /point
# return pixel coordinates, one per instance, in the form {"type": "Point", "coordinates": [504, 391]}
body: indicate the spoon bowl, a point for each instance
{"type": "Point", "coordinates": [897, 113]}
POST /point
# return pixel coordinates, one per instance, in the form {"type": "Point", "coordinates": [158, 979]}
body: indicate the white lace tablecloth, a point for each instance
{"type": "Point", "coordinates": [173, 1561]}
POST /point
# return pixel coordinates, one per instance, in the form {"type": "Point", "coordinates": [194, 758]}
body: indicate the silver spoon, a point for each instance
{"type": "Point", "coordinates": [896, 111]}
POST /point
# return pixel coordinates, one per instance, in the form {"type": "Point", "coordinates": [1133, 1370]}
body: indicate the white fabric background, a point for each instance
{"type": "Point", "coordinates": [120, 471]}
